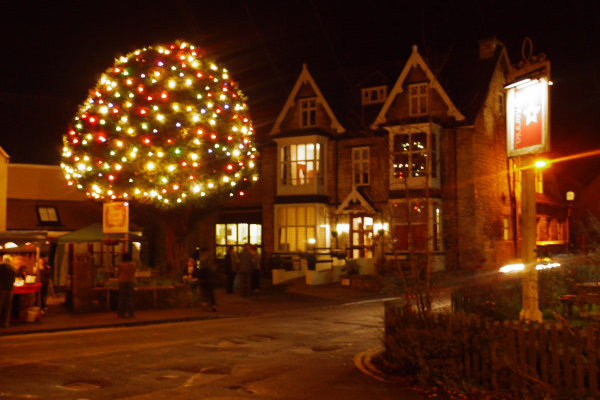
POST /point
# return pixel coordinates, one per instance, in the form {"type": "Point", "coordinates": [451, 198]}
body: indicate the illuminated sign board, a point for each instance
{"type": "Point", "coordinates": [115, 217]}
{"type": "Point", "coordinates": [527, 117]}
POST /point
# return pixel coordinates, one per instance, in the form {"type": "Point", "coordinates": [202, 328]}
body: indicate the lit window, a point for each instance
{"type": "Point", "coordinates": [297, 225]}
{"type": "Point", "coordinates": [236, 235]}
{"type": "Point", "coordinates": [417, 103]}
{"type": "Point", "coordinates": [47, 215]}
{"type": "Point", "coordinates": [360, 165]}
{"type": "Point", "coordinates": [411, 153]}
{"type": "Point", "coordinates": [308, 111]}
{"type": "Point", "coordinates": [374, 95]}
{"type": "Point", "coordinates": [300, 163]}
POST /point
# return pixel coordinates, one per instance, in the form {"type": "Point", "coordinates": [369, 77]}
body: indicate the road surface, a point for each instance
{"type": "Point", "coordinates": [301, 354]}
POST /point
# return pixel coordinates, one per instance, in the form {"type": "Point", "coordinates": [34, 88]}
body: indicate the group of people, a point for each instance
{"type": "Point", "coordinates": [9, 272]}
{"type": "Point", "coordinates": [243, 268]}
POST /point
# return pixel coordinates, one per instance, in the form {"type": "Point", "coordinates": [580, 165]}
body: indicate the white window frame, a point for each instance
{"type": "Point", "coordinates": [315, 185]}
{"type": "Point", "coordinates": [308, 112]}
{"type": "Point", "coordinates": [433, 132]}
{"type": "Point", "coordinates": [316, 229]}
{"type": "Point", "coordinates": [374, 95]}
{"type": "Point", "coordinates": [539, 181]}
{"type": "Point", "coordinates": [361, 159]}
{"type": "Point", "coordinates": [418, 92]}
{"type": "Point", "coordinates": [253, 236]}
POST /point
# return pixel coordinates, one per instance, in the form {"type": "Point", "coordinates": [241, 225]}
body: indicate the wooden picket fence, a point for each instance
{"type": "Point", "coordinates": [504, 356]}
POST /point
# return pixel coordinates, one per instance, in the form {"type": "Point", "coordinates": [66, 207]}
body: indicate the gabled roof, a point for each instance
{"type": "Point", "coordinates": [305, 77]}
{"type": "Point", "coordinates": [4, 153]}
{"type": "Point", "coordinates": [355, 202]}
{"type": "Point", "coordinates": [415, 59]}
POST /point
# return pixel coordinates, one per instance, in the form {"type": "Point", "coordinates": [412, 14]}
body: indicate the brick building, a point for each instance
{"type": "Point", "coordinates": [405, 164]}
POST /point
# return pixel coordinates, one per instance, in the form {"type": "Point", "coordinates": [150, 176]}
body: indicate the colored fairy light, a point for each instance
{"type": "Point", "coordinates": [133, 105]}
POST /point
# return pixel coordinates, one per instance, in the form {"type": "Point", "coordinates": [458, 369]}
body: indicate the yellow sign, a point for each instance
{"type": "Point", "coordinates": [115, 217]}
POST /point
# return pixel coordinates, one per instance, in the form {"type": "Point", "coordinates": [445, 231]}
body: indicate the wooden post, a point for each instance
{"type": "Point", "coordinates": [531, 310]}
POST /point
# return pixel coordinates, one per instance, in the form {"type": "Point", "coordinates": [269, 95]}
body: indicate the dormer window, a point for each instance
{"type": "Point", "coordinates": [308, 111]}
{"type": "Point", "coordinates": [374, 95]}
{"type": "Point", "coordinates": [417, 94]}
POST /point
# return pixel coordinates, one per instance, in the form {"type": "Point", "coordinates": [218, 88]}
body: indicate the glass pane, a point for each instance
{"type": "Point", "coordinates": [220, 234]}
{"type": "Point", "coordinates": [310, 216]}
{"type": "Point", "coordinates": [318, 152]}
{"type": "Point", "coordinates": [368, 223]}
{"type": "Point", "coordinates": [399, 212]}
{"type": "Point", "coordinates": [401, 166]}
{"type": "Point", "coordinates": [365, 154]}
{"type": "Point", "coordinates": [220, 251]}
{"type": "Point", "coordinates": [310, 151]}
{"type": "Point", "coordinates": [417, 212]}
{"type": "Point", "coordinates": [293, 155]}
{"type": "Point", "coordinates": [231, 234]}
{"type": "Point", "coordinates": [400, 143]}
{"type": "Point", "coordinates": [255, 233]}
{"type": "Point", "coordinates": [419, 165]}
{"type": "Point", "coordinates": [301, 216]}
{"type": "Point", "coordinates": [291, 216]}
{"type": "Point", "coordinates": [310, 171]}
{"type": "Point", "coordinates": [242, 233]}
{"type": "Point", "coordinates": [291, 239]}
{"type": "Point", "coordinates": [356, 222]}
{"type": "Point", "coordinates": [301, 152]}
{"type": "Point", "coordinates": [419, 141]}
{"type": "Point", "coordinates": [310, 233]}
{"type": "Point", "coordinates": [301, 238]}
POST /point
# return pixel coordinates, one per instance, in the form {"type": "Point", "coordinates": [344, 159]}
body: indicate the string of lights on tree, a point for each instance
{"type": "Point", "coordinates": [164, 125]}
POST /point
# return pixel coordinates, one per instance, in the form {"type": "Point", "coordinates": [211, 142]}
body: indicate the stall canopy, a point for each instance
{"type": "Point", "coordinates": [93, 233]}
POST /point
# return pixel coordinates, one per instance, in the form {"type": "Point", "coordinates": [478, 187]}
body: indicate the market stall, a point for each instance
{"type": "Point", "coordinates": [25, 248]}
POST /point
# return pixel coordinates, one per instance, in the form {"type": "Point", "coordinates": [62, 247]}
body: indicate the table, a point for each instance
{"type": "Point", "coordinates": [32, 288]}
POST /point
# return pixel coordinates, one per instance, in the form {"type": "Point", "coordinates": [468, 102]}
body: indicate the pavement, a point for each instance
{"type": "Point", "coordinates": [271, 299]}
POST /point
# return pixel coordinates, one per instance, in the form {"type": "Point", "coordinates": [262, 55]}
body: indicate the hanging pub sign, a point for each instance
{"type": "Point", "coordinates": [115, 217]}
{"type": "Point", "coordinates": [527, 116]}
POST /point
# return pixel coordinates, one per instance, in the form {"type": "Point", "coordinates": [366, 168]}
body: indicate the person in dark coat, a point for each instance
{"type": "Point", "coordinates": [231, 266]}
{"type": "Point", "coordinates": [206, 279]}
{"type": "Point", "coordinates": [45, 272]}
{"type": "Point", "coordinates": [126, 286]}
{"type": "Point", "coordinates": [7, 281]}
{"type": "Point", "coordinates": [247, 263]}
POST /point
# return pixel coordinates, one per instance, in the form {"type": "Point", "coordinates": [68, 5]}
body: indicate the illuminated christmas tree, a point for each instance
{"type": "Point", "coordinates": [164, 126]}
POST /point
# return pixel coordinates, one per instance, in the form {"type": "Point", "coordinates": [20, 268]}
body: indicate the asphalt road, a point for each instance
{"type": "Point", "coordinates": [305, 354]}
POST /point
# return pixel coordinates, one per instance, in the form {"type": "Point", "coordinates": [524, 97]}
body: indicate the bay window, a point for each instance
{"type": "Point", "coordinates": [298, 225]}
{"type": "Point", "coordinates": [418, 225]}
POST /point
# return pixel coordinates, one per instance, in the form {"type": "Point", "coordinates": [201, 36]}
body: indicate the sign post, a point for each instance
{"type": "Point", "coordinates": [115, 218]}
{"type": "Point", "coordinates": [528, 133]}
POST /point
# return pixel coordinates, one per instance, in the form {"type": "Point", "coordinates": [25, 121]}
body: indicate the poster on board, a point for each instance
{"type": "Point", "coordinates": [115, 217]}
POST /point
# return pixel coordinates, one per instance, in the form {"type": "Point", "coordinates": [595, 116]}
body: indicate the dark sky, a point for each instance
{"type": "Point", "coordinates": [54, 51]}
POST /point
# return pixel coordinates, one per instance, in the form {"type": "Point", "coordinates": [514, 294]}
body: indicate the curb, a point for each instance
{"type": "Point", "coordinates": [111, 325]}
{"type": "Point", "coordinates": [362, 361]}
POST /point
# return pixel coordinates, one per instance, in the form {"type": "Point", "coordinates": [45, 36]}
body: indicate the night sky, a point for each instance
{"type": "Point", "coordinates": [54, 52]}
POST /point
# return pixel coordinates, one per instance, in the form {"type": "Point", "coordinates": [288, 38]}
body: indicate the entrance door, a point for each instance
{"type": "Point", "coordinates": [361, 234]}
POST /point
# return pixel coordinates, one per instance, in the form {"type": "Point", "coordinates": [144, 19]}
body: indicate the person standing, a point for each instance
{"type": "Point", "coordinates": [126, 286]}
{"type": "Point", "coordinates": [245, 270]}
{"type": "Point", "coordinates": [255, 279]}
{"type": "Point", "coordinates": [231, 266]}
{"type": "Point", "coordinates": [45, 272]}
{"type": "Point", "coordinates": [190, 276]}
{"type": "Point", "coordinates": [206, 279]}
{"type": "Point", "coordinates": [7, 280]}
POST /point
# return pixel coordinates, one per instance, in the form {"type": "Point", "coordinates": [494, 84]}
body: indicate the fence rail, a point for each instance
{"type": "Point", "coordinates": [563, 358]}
